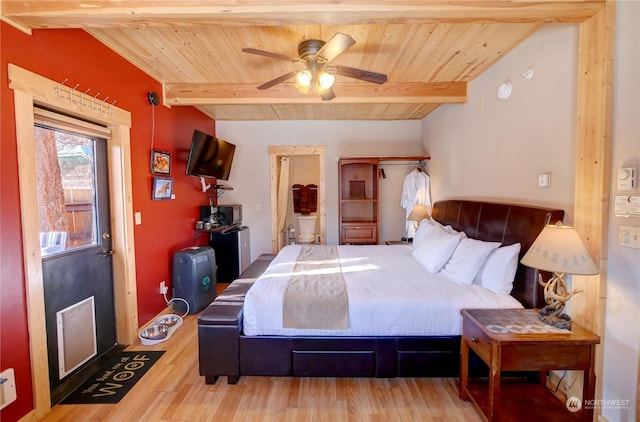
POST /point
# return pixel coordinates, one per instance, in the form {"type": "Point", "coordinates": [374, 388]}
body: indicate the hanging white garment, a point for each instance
{"type": "Point", "coordinates": [415, 191]}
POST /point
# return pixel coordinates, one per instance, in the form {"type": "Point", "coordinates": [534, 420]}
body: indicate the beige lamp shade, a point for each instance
{"type": "Point", "coordinates": [559, 249]}
{"type": "Point", "coordinates": [418, 213]}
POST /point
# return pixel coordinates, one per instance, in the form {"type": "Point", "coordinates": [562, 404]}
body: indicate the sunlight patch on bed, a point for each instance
{"type": "Point", "coordinates": [361, 267]}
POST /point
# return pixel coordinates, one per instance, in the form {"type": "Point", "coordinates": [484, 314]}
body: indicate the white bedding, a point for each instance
{"type": "Point", "coordinates": [389, 292]}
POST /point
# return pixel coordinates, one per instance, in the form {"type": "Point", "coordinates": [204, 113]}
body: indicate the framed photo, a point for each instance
{"type": "Point", "coordinates": [160, 162]}
{"type": "Point", "coordinates": [162, 188]}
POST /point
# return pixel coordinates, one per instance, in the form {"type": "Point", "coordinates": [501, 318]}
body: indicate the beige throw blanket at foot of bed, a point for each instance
{"type": "Point", "coordinates": [316, 295]}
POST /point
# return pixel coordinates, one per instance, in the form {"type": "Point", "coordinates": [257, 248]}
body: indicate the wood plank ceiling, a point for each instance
{"type": "Point", "coordinates": [429, 49]}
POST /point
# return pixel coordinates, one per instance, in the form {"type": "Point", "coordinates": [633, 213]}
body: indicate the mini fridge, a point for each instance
{"type": "Point", "coordinates": [232, 253]}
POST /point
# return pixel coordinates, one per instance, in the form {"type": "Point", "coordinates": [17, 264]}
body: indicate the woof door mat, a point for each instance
{"type": "Point", "coordinates": [116, 377]}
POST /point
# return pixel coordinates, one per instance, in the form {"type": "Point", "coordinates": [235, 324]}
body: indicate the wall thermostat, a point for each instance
{"type": "Point", "coordinates": [627, 178]}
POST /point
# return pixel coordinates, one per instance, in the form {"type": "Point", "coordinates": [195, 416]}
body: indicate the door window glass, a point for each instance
{"type": "Point", "coordinates": [65, 170]}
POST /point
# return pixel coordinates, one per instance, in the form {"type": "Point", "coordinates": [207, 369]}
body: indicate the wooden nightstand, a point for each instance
{"type": "Point", "coordinates": [497, 336]}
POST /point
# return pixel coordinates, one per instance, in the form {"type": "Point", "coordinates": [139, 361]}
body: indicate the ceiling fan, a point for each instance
{"type": "Point", "coordinates": [319, 74]}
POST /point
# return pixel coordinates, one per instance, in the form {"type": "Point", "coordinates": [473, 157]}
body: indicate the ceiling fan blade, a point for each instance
{"type": "Point", "coordinates": [270, 54]}
{"type": "Point", "coordinates": [277, 80]}
{"type": "Point", "coordinates": [365, 75]}
{"type": "Point", "coordinates": [329, 95]}
{"type": "Point", "coordinates": [337, 45]}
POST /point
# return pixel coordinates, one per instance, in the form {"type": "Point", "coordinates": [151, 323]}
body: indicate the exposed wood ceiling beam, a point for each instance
{"type": "Point", "coordinates": [286, 93]}
{"type": "Point", "coordinates": [134, 13]}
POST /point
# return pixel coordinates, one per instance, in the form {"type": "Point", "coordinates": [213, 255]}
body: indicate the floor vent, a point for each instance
{"type": "Point", "coordinates": [76, 327]}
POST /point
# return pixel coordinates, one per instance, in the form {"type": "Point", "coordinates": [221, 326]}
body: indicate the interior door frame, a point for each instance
{"type": "Point", "coordinates": [275, 152]}
{"type": "Point", "coordinates": [32, 90]}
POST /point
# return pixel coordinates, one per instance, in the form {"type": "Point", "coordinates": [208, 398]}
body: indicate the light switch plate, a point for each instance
{"type": "Point", "coordinates": [544, 180]}
{"type": "Point", "coordinates": [629, 236]}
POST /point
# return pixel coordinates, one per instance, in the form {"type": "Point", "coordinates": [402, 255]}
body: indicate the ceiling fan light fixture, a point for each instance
{"type": "Point", "coordinates": [303, 78]}
{"type": "Point", "coordinates": [325, 81]}
{"type": "Point", "coordinates": [316, 55]}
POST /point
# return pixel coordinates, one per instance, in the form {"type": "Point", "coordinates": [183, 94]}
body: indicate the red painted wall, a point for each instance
{"type": "Point", "coordinates": [167, 226]}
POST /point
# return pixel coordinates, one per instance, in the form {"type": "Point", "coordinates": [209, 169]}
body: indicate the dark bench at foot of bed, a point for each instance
{"type": "Point", "coordinates": [220, 324]}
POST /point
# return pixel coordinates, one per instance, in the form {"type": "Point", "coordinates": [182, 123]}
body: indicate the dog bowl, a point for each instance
{"type": "Point", "coordinates": [169, 320]}
{"type": "Point", "coordinates": [155, 332]}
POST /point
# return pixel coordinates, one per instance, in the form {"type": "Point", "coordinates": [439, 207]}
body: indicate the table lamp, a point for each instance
{"type": "Point", "coordinates": [558, 249]}
{"type": "Point", "coordinates": [417, 214]}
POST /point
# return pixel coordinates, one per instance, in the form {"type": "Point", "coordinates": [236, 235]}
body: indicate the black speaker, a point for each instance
{"type": "Point", "coordinates": [194, 278]}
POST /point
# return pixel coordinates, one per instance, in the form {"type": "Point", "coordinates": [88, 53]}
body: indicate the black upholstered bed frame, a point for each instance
{"type": "Point", "coordinates": [225, 351]}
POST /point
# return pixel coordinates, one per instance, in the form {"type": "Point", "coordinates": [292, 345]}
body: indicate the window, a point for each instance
{"type": "Point", "coordinates": [66, 165]}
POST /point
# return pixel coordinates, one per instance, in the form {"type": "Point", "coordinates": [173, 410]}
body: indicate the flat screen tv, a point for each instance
{"type": "Point", "coordinates": [210, 156]}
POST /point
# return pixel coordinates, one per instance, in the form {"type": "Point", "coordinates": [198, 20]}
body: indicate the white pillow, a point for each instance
{"type": "Point", "coordinates": [425, 229]}
{"type": "Point", "coordinates": [435, 251]}
{"type": "Point", "coordinates": [467, 259]}
{"type": "Point", "coordinates": [429, 228]}
{"type": "Point", "coordinates": [499, 269]}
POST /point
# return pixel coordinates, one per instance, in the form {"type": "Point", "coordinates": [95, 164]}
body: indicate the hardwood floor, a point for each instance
{"type": "Point", "coordinates": [173, 391]}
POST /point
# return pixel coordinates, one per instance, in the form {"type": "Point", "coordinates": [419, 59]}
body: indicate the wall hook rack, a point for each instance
{"type": "Point", "coordinates": [81, 98]}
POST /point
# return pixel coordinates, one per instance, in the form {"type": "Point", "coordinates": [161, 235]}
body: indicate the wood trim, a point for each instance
{"type": "Point", "coordinates": [276, 242]}
{"type": "Point", "coordinates": [30, 90]}
{"type": "Point", "coordinates": [131, 13]}
{"type": "Point", "coordinates": [122, 230]}
{"type": "Point", "coordinates": [322, 196]}
{"type": "Point", "coordinates": [593, 168]}
{"type": "Point", "coordinates": [286, 93]}
{"type": "Point", "coordinates": [15, 24]}
{"type": "Point", "coordinates": [275, 152]}
{"type": "Point", "coordinates": [61, 97]}
{"type": "Point", "coordinates": [31, 249]}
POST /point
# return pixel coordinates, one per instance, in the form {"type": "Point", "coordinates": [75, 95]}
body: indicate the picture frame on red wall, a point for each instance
{"type": "Point", "coordinates": [162, 188]}
{"type": "Point", "coordinates": [160, 162]}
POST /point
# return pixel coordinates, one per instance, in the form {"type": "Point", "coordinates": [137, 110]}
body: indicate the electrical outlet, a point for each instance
{"type": "Point", "coordinates": [163, 287]}
{"type": "Point", "coordinates": [7, 388]}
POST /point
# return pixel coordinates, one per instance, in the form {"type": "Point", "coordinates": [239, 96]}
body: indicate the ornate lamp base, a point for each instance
{"type": "Point", "coordinates": [548, 316]}
{"type": "Point", "coordinates": [556, 294]}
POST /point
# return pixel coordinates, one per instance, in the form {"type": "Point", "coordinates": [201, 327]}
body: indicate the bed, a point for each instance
{"type": "Point", "coordinates": [402, 318]}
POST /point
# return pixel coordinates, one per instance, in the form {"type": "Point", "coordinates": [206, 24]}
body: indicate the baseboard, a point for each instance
{"type": "Point", "coordinates": [29, 417]}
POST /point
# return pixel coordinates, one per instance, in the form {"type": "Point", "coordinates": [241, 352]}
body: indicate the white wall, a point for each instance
{"type": "Point", "coordinates": [250, 171]}
{"type": "Point", "coordinates": [495, 149]}
{"type": "Point", "coordinates": [622, 334]}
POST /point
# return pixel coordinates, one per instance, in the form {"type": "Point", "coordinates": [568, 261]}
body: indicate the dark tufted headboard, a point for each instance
{"type": "Point", "coordinates": [506, 223]}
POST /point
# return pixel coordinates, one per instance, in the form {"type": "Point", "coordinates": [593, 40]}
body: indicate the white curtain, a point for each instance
{"type": "Point", "coordinates": [283, 194]}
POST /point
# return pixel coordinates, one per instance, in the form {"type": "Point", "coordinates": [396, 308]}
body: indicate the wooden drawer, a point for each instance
{"type": "Point", "coordinates": [476, 339]}
{"type": "Point", "coordinates": [359, 233]}
{"type": "Point", "coordinates": [333, 363]}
